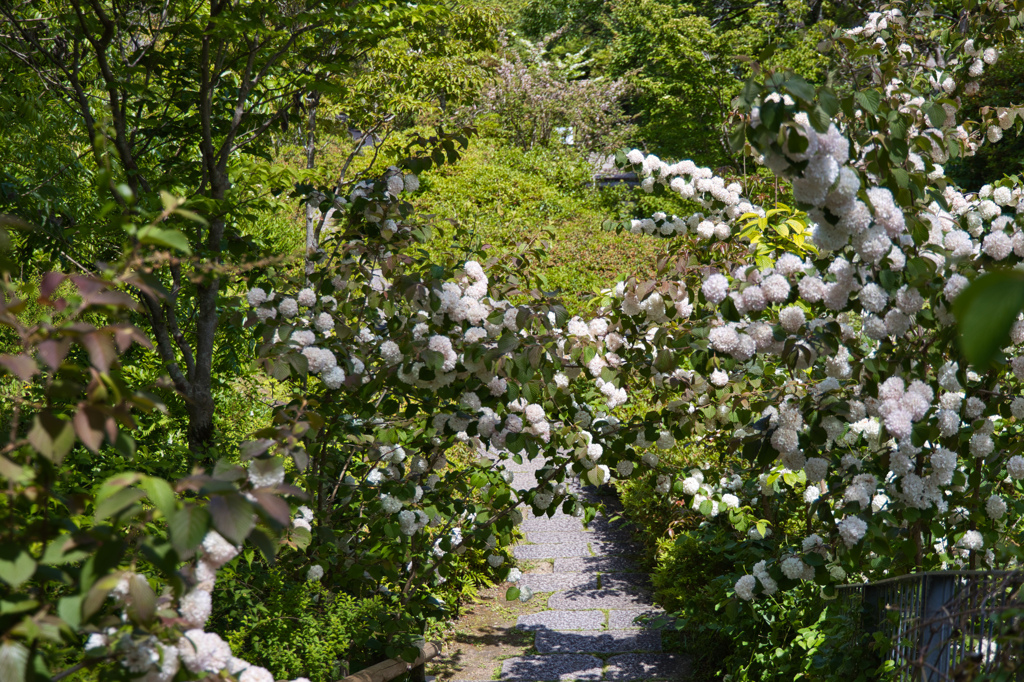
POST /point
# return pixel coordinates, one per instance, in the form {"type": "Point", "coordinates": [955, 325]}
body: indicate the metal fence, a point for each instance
{"type": "Point", "coordinates": [944, 625]}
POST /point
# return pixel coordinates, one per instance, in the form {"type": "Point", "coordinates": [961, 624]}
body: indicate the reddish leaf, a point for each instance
{"type": "Point", "coordinates": [101, 350]}
{"type": "Point", "coordinates": [233, 516]}
{"type": "Point", "coordinates": [110, 427]}
{"type": "Point", "coordinates": [53, 351]}
{"type": "Point", "coordinates": [20, 366]}
{"type": "Point", "coordinates": [89, 422]}
{"type": "Point", "coordinates": [114, 298]}
{"type": "Point", "coordinates": [88, 285]}
{"type": "Point", "coordinates": [275, 507]}
{"type": "Point", "coordinates": [51, 281]}
{"type": "Point", "coordinates": [125, 334]}
{"type": "Point", "coordinates": [255, 448]}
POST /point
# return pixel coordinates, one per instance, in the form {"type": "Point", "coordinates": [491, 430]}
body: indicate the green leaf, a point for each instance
{"type": "Point", "coordinates": [158, 236]}
{"type": "Point", "coordinates": [160, 494]}
{"type": "Point", "coordinates": [16, 566]}
{"type": "Point", "coordinates": [985, 312]}
{"type": "Point", "coordinates": [869, 100]}
{"type": "Point", "coordinates": [117, 503]}
{"type": "Point", "coordinates": [512, 594]}
{"type": "Point", "coordinates": [302, 537]}
{"type": "Point", "coordinates": [828, 101]}
{"type": "Point", "coordinates": [737, 137]}
{"type": "Point", "coordinates": [819, 119]}
{"type": "Point", "coordinates": [936, 114]}
{"type": "Point", "coordinates": [188, 527]}
{"type": "Point", "coordinates": [800, 88]}
{"type": "Point", "coordinates": [13, 662]}
{"type": "Point", "coordinates": [70, 610]}
{"type": "Point", "coordinates": [51, 436]}
{"type": "Point", "coordinates": [143, 600]}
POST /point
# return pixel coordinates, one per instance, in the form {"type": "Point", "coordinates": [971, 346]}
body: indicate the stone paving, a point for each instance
{"type": "Point", "coordinates": [589, 631]}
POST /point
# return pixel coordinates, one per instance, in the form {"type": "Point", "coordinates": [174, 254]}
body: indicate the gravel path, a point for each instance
{"type": "Point", "coordinates": [589, 630]}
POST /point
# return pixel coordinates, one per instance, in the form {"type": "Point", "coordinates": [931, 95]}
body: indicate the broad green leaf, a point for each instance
{"type": "Point", "coordinates": [985, 312]}
{"type": "Point", "coordinates": [16, 565]}
{"type": "Point", "coordinates": [70, 610]}
{"type": "Point", "coordinates": [302, 537]}
{"type": "Point", "coordinates": [869, 100]}
{"type": "Point", "coordinates": [828, 101]}
{"type": "Point", "coordinates": [51, 436]}
{"type": "Point", "coordinates": [512, 594]}
{"type": "Point", "coordinates": [13, 662]}
{"type": "Point", "coordinates": [160, 494]}
{"type": "Point", "coordinates": [188, 527]}
{"type": "Point", "coordinates": [117, 503]}
{"type": "Point", "coordinates": [143, 600]}
{"type": "Point", "coordinates": [158, 236]}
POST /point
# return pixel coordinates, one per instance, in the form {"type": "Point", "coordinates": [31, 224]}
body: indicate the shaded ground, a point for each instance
{"type": "Point", "coordinates": [486, 634]}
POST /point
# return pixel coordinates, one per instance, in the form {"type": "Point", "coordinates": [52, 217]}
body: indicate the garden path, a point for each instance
{"type": "Point", "coordinates": [594, 593]}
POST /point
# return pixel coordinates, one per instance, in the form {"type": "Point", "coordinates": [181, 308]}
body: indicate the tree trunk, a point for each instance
{"type": "Point", "coordinates": [313, 202]}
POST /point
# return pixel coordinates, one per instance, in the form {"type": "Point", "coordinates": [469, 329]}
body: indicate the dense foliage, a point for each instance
{"type": "Point", "coordinates": [242, 191]}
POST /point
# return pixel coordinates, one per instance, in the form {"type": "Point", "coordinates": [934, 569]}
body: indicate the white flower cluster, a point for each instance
{"type": "Point", "coordinates": [746, 585]}
{"type": "Point", "coordinates": [201, 653]}
{"type": "Point", "coordinates": [723, 202]}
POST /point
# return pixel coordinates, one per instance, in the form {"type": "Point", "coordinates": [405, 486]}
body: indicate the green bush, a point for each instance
{"type": "Point", "coordinates": [694, 562]}
{"type": "Point", "coordinates": [504, 196]}
{"type": "Point", "coordinates": [297, 629]}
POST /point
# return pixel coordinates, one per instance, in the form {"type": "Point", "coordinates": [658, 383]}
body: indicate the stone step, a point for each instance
{"type": "Point", "coordinates": [569, 524]}
{"type": "Point", "coordinates": [524, 480]}
{"type": "Point", "coordinates": [594, 564]}
{"type": "Point", "coordinates": [552, 582]}
{"type": "Point", "coordinates": [562, 620]}
{"type": "Point", "coordinates": [627, 582]}
{"type": "Point", "coordinates": [623, 620]}
{"type": "Point", "coordinates": [648, 667]}
{"type": "Point", "coordinates": [602, 548]}
{"type": "Point", "coordinates": [602, 642]}
{"type": "Point", "coordinates": [551, 551]}
{"type": "Point", "coordinates": [556, 667]}
{"type": "Point", "coordinates": [599, 599]}
{"type": "Point", "coordinates": [557, 537]}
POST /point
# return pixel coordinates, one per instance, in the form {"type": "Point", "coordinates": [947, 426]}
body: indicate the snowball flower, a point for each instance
{"type": "Point", "coordinates": [195, 608]}
{"type": "Point", "coordinates": [256, 296]}
{"type": "Point", "coordinates": [218, 551]}
{"type": "Point", "coordinates": [495, 560]}
{"type": "Point", "coordinates": [266, 473]}
{"type": "Point", "coordinates": [255, 673]}
{"type": "Point", "coordinates": [852, 530]}
{"type": "Point", "coordinates": [715, 288]}
{"type": "Point", "coordinates": [995, 507]}
{"type": "Point", "coordinates": [288, 308]}
{"type": "Point", "coordinates": [745, 587]}
{"type": "Point", "coordinates": [792, 318]}
{"type": "Point", "coordinates": [203, 652]}
{"type": "Point", "coordinates": [972, 540]}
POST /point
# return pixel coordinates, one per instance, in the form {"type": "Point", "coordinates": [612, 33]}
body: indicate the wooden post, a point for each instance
{"type": "Point", "coordinates": [385, 671]}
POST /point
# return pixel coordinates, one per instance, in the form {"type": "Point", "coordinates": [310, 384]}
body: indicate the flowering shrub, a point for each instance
{"type": "Point", "coordinates": [835, 373]}
{"type": "Point", "coordinates": [540, 101]}
{"type": "Point", "coordinates": [111, 549]}
{"type": "Point", "coordinates": [843, 368]}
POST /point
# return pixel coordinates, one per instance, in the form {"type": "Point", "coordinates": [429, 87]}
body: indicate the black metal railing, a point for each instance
{"type": "Point", "coordinates": [942, 626]}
